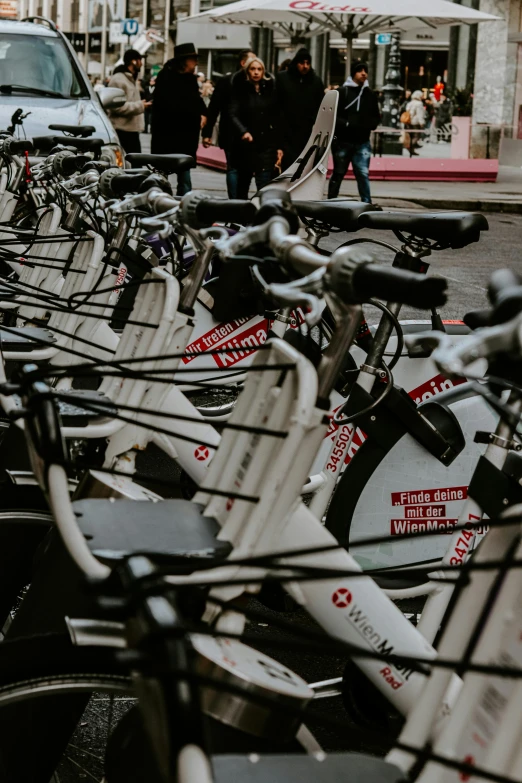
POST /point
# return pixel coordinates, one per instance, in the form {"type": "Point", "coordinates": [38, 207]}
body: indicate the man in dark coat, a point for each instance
{"type": "Point", "coordinates": [357, 115]}
{"type": "Point", "coordinates": [178, 110]}
{"type": "Point", "coordinates": [300, 92]}
{"type": "Point", "coordinates": [219, 106]}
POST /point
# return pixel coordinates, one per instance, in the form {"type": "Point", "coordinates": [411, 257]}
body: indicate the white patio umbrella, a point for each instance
{"type": "Point", "coordinates": [305, 18]}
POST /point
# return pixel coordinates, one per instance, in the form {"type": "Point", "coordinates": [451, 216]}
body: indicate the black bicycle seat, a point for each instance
{"type": "Point", "coordinates": [340, 213]}
{"type": "Point", "coordinates": [170, 164]}
{"type": "Point", "coordinates": [448, 229]}
{"type": "Point", "coordinates": [74, 130]}
{"type": "Point", "coordinates": [46, 143]}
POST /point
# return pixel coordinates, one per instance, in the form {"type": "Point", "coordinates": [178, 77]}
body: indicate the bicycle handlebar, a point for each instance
{"type": "Point", "coordinates": [487, 343]}
{"type": "Point", "coordinates": [66, 163]}
{"type": "Point", "coordinates": [505, 294]}
{"type": "Point", "coordinates": [15, 146]}
{"type": "Point", "coordinates": [397, 285]}
{"type": "Point", "coordinates": [117, 183]}
{"type": "Point", "coordinates": [351, 273]}
{"type": "Point", "coordinates": [200, 211]}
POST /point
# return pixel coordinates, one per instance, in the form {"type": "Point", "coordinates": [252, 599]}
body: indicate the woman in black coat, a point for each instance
{"type": "Point", "coordinates": [178, 111]}
{"type": "Point", "coordinates": [255, 117]}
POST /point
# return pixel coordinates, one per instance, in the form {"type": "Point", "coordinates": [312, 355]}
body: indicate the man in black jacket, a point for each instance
{"type": "Point", "coordinates": [219, 106]}
{"type": "Point", "coordinates": [300, 92]}
{"type": "Point", "coordinates": [178, 110]}
{"type": "Point", "coordinates": [357, 115]}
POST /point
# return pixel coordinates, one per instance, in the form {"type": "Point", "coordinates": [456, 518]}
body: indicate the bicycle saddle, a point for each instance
{"type": "Point", "coordinates": [448, 229]}
{"type": "Point", "coordinates": [283, 768]}
{"type": "Point", "coordinates": [21, 339]}
{"type": "Point", "coordinates": [170, 531]}
{"type": "Point", "coordinates": [46, 143]}
{"type": "Point", "coordinates": [340, 213]}
{"type": "Point", "coordinates": [74, 130]}
{"type": "Point", "coordinates": [170, 164]}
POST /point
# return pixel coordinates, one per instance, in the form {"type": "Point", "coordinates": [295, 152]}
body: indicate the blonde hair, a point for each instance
{"type": "Point", "coordinates": [252, 60]}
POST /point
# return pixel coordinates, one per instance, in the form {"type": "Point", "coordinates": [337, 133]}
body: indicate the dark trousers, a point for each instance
{"type": "Point", "coordinates": [359, 156]}
{"type": "Point", "coordinates": [184, 183]}
{"type": "Point", "coordinates": [232, 174]}
{"type": "Point", "coordinates": [244, 178]}
{"type": "Point", "coordinates": [129, 140]}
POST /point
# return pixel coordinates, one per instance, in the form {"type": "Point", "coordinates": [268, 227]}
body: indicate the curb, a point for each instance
{"type": "Point", "coordinates": [467, 205]}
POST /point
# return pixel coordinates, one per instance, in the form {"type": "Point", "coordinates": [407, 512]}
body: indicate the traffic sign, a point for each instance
{"type": "Point", "coordinates": [383, 39]}
{"type": "Point", "coordinates": [117, 36]}
{"type": "Point", "coordinates": [130, 27]}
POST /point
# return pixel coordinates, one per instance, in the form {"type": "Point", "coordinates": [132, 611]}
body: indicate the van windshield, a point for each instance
{"type": "Point", "coordinates": [40, 62]}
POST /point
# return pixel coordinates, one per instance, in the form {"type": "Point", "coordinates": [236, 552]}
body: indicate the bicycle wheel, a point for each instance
{"type": "Point", "coordinates": [58, 706]}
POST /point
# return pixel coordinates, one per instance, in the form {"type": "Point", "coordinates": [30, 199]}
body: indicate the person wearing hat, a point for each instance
{"type": "Point", "coordinates": [128, 120]}
{"type": "Point", "coordinates": [357, 115]}
{"type": "Point", "coordinates": [179, 111]}
{"type": "Point", "coordinates": [300, 92]}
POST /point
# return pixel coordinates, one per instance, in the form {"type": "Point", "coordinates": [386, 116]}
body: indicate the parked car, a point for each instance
{"type": "Point", "coordinates": [41, 75]}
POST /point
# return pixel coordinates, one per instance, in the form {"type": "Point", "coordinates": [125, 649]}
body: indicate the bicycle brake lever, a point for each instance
{"type": "Point", "coordinates": [289, 294]}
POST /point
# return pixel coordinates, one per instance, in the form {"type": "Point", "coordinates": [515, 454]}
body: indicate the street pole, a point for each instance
{"type": "Point", "coordinates": [145, 14]}
{"type": "Point", "coordinates": [349, 35]}
{"type": "Point", "coordinates": [83, 25]}
{"type": "Point", "coordinates": [166, 32]}
{"type": "Point", "coordinates": [104, 40]}
{"type": "Point", "coordinates": [348, 64]}
{"type": "Point", "coordinates": [392, 92]}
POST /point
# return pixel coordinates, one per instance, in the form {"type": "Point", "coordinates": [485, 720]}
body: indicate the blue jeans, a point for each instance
{"type": "Point", "coordinates": [359, 156]}
{"type": "Point", "coordinates": [184, 183]}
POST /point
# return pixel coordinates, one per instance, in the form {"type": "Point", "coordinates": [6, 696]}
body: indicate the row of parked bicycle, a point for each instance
{"type": "Point", "coordinates": [343, 466]}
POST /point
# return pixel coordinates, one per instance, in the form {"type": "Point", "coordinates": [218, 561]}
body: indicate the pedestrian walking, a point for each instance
{"type": "Point", "coordinates": [178, 110]}
{"type": "Point", "coordinates": [149, 97]}
{"type": "Point", "coordinates": [220, 107]}
{"type": "Point", "coordinates": [405, 101]}
{"type": "Point", "coordinates": [417, 121]}
{"type": "Point", "coordinates": [128, 120]}
{"type": "Point", "coordinates": [207, 91]}
{"type": "Point", "coordinates": [300, 92]}
{"type": "Point", "coordinates": [358, 114]}
{"type": "Point", "coordinates": [443, 115]}
{"type": "Point", "coordinates": [256, 119]}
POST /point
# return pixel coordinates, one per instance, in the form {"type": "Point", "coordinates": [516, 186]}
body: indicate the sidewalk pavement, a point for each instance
{"type": "Point", "coordinates": [504, 195]}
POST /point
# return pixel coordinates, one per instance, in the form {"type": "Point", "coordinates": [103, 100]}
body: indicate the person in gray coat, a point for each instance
{"type": "Point", "coordinates": [128, 120]}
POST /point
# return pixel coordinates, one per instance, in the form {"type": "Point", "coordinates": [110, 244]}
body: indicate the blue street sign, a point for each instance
{"type": "Point", "coordinates": [383, 39]}
{"type": "Point", "coordinates": [130, 26]}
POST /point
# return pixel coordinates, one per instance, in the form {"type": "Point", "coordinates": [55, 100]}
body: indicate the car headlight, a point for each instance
{"type": "Point", "coordinates": [113, 154]}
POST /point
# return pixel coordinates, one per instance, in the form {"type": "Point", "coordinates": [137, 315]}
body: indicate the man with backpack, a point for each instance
{"type": "Point", "coordinates": [357, 115]}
